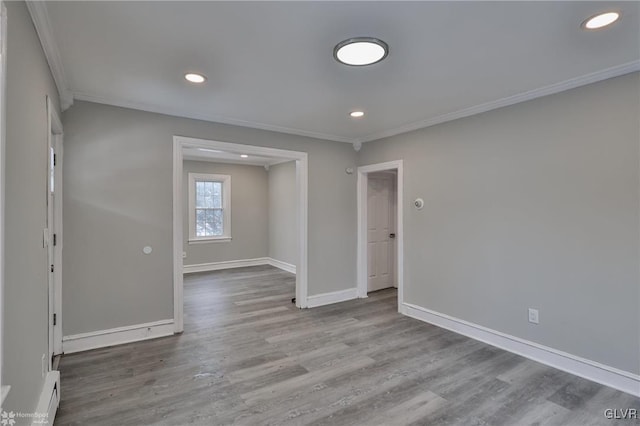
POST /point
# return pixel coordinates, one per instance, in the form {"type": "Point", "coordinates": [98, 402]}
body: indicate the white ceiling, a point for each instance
{"type": "Point", "coordinates": [218, 156]}
{"type": "Point", "coordinates": [270, 64]}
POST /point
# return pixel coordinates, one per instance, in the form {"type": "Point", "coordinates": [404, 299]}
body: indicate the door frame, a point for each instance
{"type": "Point", "coordinates": [362, 186]}
{"type": "Point", "coordinates": [4, 389]}
{"type": "Point", "coordinates": [54, 140]}
{"type": "Point", "coordinates": [302, 167]}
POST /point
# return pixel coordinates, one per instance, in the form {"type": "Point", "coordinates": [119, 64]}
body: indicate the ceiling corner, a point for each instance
{"type": "Point", "coordinates": [40, 18]}
{"type": "Point", "coordinates": [572, 83]}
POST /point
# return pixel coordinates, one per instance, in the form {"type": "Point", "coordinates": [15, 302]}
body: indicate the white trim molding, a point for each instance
{"type": "Point", "coordinates": [54, 227]}
{"type": "Point", "coordinates": [180, 143]}
{"type": "Point", "coordinates": [4, 392]}
{"type": "Point", "coordinates": [551, 89]}
{"type": "Point", "coordinates": [58, 248]}
{"type": "Point", "coordinates": [228, 264]}
{"type": "Point", "coordinates": [40, 18]}
{"type": "Point", "coordinates": [332, 297]}
{"type": "Point", "coordinates": [117, 336]}
{"type": "Point", "coordinates": [362, 187]}
{"type": "Point", "coordinates": [3, 96]}
{"type": "Point", "coordinates": [242, 263]}
{"type": "Point", "coordinates": [288, 267]}
{"type": "Point", "coordinates": [49, 400]}
{"type": "Point", "coordinates": [591, 370]}
{"type": "Point", "coordinates": [212, 118]}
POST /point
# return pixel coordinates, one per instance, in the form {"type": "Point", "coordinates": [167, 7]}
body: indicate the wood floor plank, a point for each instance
{"type": "Point", "coordinates": [267, 367]}
{"type": "Point", "coordinates": [309, 380]}
{"type": "Point", "coordinates": [249, 357]}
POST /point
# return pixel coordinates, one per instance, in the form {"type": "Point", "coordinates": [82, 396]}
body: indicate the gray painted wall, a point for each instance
{"type": "Point", "coordinates": [118, 198]}
{"type": "Point", "coordinates": [29, 82]}
{"type": "Point", "coordinates": [534, 205]}
{"type": "Point", "coordinates": [249, 211]}
{"type": "Point", "coordinates": [283, 235]}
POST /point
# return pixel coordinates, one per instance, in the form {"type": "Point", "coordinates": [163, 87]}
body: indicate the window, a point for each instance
{"type": "Point", "coordinates": [209, 207]}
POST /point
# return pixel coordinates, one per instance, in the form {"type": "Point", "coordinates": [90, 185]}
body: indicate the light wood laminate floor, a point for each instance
{"type": "Point", "coordinates": [249, 357]}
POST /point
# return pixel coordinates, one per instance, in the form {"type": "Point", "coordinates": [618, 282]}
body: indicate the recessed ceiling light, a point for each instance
{"type": "Point", "coordinates": [361, 51]}
{"type": "Point", "coordinates": [195, 78]}
{"type": "Point", "coordinates": [600, 20]}
{"type": "Point", "coordinates": [244, 156]}
{"type": "Point", "coordinates": [356, 114]}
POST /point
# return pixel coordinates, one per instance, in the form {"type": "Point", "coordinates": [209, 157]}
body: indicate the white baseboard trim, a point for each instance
{"type": "Point", "coordinates": [242, 263]}
{"type": "Point", "coordinates": [282, 265]}
{"type": "Point", "coordinates": [49, 400]}
{"type": "Point", "coordinates": [585, 368]}
{"type": "Point", "coordinates": [333, 297]}
{"type": "Point", "coordinates": [116, 336]}
{"type": "Point", "coordinates": [216, 266]}
{"type": "Point", "coordinates": [5, 392]}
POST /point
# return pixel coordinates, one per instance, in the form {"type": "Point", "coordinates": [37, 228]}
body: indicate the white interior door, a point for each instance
{"type": "Point", "coordinates": [52, 237]}
{"type": "Point", "coordinates": [380, 231]}
{"type": "Point", "coordinates": [57, 246]}
{"type": "Point", "coordinates": [4, 389]}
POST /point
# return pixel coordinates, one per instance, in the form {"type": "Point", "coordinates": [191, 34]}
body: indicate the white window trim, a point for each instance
{"type": "Point", "coordinates": [226, 207]}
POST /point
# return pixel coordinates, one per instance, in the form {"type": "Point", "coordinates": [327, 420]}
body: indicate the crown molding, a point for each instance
{"type": "Point", "coordinates": [40, 18]}
{"type": "Point", "coordinates": [562, 86]}
{"type": "Point", "coordinates": [83, 96]}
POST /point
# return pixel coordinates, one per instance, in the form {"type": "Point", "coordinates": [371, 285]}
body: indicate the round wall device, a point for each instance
{"type": "Point", "coordinates": [418, 203]}
{"type": "Point", "coordinates": [147, 250]}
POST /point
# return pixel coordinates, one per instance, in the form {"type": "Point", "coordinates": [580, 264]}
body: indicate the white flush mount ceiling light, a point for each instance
{"type": "Point", "coordinates": [244, 156]}
{"type": "Point", "coordinates": [600, 20]}
{"type": "Point", "coordinates": [360, 51]}
{"type": "Point", "coordinates": [356, 114]}
{"type": "Point", "coordinates": [195, 78]}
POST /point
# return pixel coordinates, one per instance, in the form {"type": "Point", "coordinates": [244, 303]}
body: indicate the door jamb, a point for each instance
{"type": "Point", "coordinates": [4, 389]}
{"type": "Point", "coordinates": [54, 140]}
{"type": "Point", "coordinates": [301, 159]}
{"type": "Point", "coordinates": [362, 185]}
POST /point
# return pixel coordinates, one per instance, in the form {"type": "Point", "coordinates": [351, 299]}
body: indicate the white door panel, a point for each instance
{"type": "Point", "coordinates": [381, 247]}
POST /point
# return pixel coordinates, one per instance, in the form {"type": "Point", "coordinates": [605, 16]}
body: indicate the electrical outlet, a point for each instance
{"type": "Point", "coordinates": [534, 316]}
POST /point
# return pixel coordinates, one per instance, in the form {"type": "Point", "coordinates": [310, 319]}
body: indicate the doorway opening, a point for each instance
{"type": "Point", "coordinates": [212, 225]}
{"type": "Point", "coordinates": [380, 228]}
